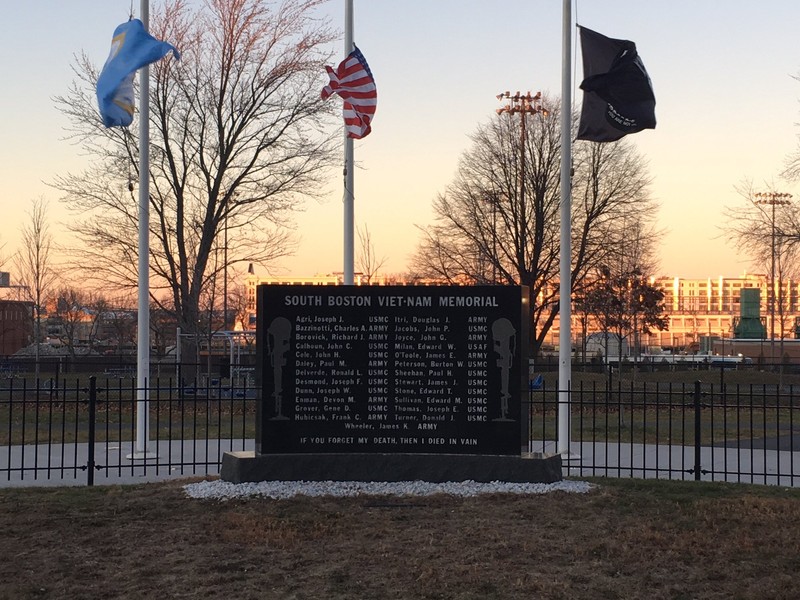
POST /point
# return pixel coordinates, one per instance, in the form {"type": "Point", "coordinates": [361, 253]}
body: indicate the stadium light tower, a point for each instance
{"type": "Point", "coordinates": [524, 105]}
{"type": "Point", "coordinates": [772, 199]}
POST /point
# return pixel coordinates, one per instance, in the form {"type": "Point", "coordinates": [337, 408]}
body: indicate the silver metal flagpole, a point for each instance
{"type": "Point", "coordinates": [141, 448]}
{"type": "Point", "coordinates": [565, 287]}
{"type": "Point", "coordinates": [349, 198]}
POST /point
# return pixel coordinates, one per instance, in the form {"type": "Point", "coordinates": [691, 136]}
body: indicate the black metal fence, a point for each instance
{"type": "Point", "coordinates": [703, 431]}
{"type": "Point", "coordinates": [85, 432]}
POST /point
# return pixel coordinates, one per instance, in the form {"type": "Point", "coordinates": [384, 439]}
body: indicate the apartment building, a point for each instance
{"type": "Point", "coordinates": [710, 307]}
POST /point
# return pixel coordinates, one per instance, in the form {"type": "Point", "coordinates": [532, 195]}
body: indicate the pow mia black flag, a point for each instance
{"type": "Point", "coordinates": [618, 97]}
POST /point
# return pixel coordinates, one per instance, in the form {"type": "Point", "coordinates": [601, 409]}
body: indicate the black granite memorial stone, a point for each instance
{"type": "Point", "coordinates": [391, 369]}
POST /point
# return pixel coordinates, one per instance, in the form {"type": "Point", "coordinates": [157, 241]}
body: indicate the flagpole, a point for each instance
{"type": "Point", "coordinates": [349, 198]}
{"type": "Point", "coordinates": [141, 448]}
{"type": "Point", "coordinates": [565, 286]}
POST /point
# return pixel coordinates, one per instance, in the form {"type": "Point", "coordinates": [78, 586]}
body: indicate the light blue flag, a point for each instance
{"type": "Point", "coordinates": [131, 49]}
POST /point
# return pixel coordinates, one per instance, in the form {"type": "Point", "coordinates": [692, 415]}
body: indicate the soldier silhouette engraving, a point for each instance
{"type": "Point", "coordinates": [504, 338]}
{"type": "Point", "coordinates": [278, 343]}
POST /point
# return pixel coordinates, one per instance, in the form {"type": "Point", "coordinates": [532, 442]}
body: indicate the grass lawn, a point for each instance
{"type": "Point", "coordinates": [625, 539]}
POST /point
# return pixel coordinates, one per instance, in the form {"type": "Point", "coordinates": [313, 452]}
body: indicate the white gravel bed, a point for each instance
{"type": "Point", "coordinates": [279, 490]}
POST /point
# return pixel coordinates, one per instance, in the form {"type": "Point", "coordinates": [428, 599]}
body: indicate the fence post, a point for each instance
{"type": "Point", "coordinates": [697, 426]}
{"type": "Point", "coordinates": [92, 423]}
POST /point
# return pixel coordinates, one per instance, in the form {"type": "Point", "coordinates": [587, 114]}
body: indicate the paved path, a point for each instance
{"type": "Point", "coordinates": [64, 466]}
{"type": "Point", "coordinates": [59, 466]}
{"type": "Point", "coordinates": [770, 465]}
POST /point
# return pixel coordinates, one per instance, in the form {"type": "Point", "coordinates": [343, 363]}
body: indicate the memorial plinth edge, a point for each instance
{"type": "Point", "coordinates": [247, 467]}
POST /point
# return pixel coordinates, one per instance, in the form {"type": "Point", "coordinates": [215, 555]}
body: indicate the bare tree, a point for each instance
{"type": "Point", "coordinates": [627, 304]}
{"type": "Point", "coordinates": [98, 309]}
{"type": "Point", "coordinates": [750, 225]}
{"type": "Point", "coordinates": [163, 331]}
{"type": "Point", "coordinates": [72, 315]}
{"type": "Point", "coordinates": [121, 320]}
{"type": "Point", "coordinates": [368, 262]}
{"type": "Point", "coordinates": [494, 226]}
{"type": "Point", "coordinates": [34, 265]}
{"type": "Point", "coordinates": [237, 139]}
{"type": "Point", "coordinates": [237, 304]}
{"type": "Point", "coordinates": [629, 256]}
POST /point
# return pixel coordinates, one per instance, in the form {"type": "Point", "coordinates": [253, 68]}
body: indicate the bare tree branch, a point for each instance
{"type": "Point", "coordinates": [368, 262]}
{"type": "Point", "coordinates": [489, 229]}
{"type": "Point", "coordinates": [239, 138]}
{"type": "Point", "coordinates": [34, 265]}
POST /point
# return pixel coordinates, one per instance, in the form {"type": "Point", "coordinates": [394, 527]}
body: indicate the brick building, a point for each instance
{"type": "Point", "coordinates": [16, 325]}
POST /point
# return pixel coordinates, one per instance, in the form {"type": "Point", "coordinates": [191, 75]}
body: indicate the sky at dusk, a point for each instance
{"type": "Point", "coordinates": [727, 109]}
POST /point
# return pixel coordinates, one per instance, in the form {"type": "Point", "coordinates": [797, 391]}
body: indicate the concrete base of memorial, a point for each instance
{"type": "Point", "coordinates": [246, 467]}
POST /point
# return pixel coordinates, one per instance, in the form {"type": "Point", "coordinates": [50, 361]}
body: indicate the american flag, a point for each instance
{"type": "Point", "coordinates": [353, 81]}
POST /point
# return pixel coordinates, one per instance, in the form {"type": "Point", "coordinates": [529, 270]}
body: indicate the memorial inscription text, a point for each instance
{"type": "Point", "coordinates": [391, 369]}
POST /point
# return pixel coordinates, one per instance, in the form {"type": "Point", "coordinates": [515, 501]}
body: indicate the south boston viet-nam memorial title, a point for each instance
{"type": "Point", "coordinates": [391, 369]}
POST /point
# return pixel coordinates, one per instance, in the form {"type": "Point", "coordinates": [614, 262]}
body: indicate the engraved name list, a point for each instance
{"type": "Point", "coordinates": [391, 369]}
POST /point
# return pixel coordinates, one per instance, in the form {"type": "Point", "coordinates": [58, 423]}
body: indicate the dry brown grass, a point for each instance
{"type": "Point", "coordinates": [626, 539]}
